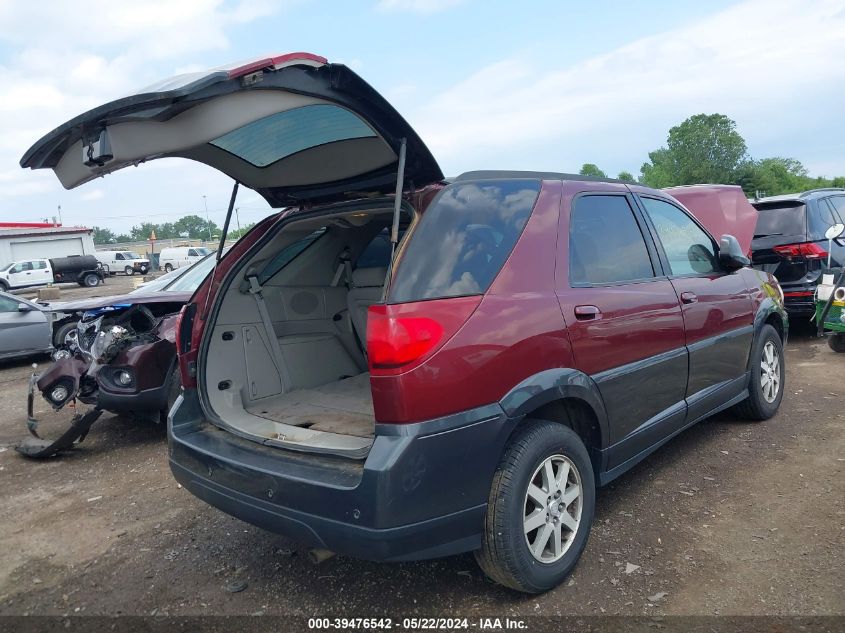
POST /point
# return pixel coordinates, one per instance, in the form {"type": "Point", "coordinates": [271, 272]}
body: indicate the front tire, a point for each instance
{"type": "Point", "coordinates": [768, 377]}
{"type": "Point", "coordinates": [61, 334]}
{"type": "Point", "coordinates": [540, 509]}
{"type": "Point", "coordinates": [836, 341]}
{"type": "Point", "coordinates": [4, 286]}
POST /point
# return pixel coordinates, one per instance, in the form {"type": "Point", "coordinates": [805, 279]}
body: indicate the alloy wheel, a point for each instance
{"type": "Point", "coordinates": [552, 508]}
{"type": "Point", "coordinates": [770, 372]}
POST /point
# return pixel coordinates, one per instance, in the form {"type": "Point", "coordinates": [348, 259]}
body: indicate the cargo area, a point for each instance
{"type": "Point", "coordinates": [344, 406]}
{"type": "Point", "coordinates": [285, 358]}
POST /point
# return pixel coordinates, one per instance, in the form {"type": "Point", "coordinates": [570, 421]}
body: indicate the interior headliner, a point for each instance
{"type": "Point", "coordinates": [188, 134]}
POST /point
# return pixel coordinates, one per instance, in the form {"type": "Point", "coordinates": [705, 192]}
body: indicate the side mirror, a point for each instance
{"type": "Point", "coordinates": [24, 307]}
{"type": "Point", "coordinates": [731, 256]}
{"type": "Point", "coordinates": [834, 232]}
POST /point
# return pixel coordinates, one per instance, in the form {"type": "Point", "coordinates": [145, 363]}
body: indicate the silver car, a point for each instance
{"type": "Point", "coordinates": [24, 328]}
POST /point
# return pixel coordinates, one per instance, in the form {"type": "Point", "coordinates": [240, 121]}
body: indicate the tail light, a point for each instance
{"type": "Point", "coordinates": [400, 336]}
{"type": "Point", "coordinates": [805, 250]}
{"type": "Point", "coordinates": [184, 334]}
{"type": "Point", "coordinates": [183, 328]}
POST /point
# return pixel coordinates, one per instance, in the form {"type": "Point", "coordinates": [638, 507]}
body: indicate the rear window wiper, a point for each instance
{"type": "Point", "coordinates": [766, 235]}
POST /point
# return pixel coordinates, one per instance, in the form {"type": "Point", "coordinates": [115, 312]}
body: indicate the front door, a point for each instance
{"type": "Point", "coordinates": [21, 274]}
{"type": "Point", "coordinates": [717, 307]}
{"type": "Point", "coordinates": [21, 330]}
{"type": "Point", "coordinates": [623, 318]}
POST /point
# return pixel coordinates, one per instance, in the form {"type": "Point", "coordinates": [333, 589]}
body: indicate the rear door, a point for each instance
{"type": "Point", "coordinates": [623, 317]}
{"type": "Point", "coordinates": [716, 305]}
{"type": "Point", "coordinates": [41, 272]}
{"type": "Point", "coordinates": [832, 211]}
{"type": "Point", "coordinates": [293, 127]}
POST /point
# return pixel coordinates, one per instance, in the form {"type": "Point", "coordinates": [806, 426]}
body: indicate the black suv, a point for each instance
{"type": "Point", "coordinates": [789, 242]}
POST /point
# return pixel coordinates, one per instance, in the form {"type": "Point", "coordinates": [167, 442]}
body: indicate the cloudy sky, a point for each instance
{"type": "Point", "coordinates": [544, 85]}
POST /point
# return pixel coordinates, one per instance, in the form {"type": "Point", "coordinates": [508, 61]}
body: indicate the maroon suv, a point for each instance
{"type": "Point", "coordinates": [402, 367]}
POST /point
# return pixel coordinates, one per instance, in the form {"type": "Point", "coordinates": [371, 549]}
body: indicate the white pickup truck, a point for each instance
{"type": "Point", "coordinates": [82, 269]}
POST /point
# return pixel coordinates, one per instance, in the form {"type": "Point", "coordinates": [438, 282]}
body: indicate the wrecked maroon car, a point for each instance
{"type": "Point", "coordinates": [117, 354]}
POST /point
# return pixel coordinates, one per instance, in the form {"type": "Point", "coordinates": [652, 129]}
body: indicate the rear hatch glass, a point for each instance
{"type": "Point", "coordinates": [779, 224]}
{"type": "Point", "coordinates": [782, 221]}
{"type": "Point", "coordinates": [463, 239]}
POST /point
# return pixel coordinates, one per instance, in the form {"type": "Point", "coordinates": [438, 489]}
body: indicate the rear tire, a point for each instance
{"type": "Point", "coordinates": [766, 350]}
{"type": "Point", "coordinates": [836, 342]}
{"type": "Point", "coordinates": [90, 280]}
{"type": "Point", "coordinates": [168, 268]}
{"type": "Point", "coordinates": [129, 270]}
{"type": "Point", "coordinates": [514, 506]}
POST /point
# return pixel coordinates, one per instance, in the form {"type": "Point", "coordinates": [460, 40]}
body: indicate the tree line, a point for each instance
{"type": "Point", "coordinates": [706, 148]}
{"type": "Point", "coordinates": [191, 227]}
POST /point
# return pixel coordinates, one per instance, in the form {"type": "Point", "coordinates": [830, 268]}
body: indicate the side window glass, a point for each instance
{"type": "Point", "coordinates": [605, 242]}
{"type": "Point", "coordinates": [377, 253]}
{"type": "Point", "coordinates": [823, 218]}
{"type": "Point", "coordinates": [688, 248]}
{"type": "Point", "coordinates": [26, 266]}
{"type": "Point", "coordinates": [838, 203]}
{"type": "Point", "coordinates": [119, 257]}
{"type": "Point", "coordinates": [40, 265]}
{"type": "Point", "coordinates": [16, 268]}
{"type": "Point", "coordinates": [192, 253]}
{"type": "Point", "coordinates": [287, 254]}
{"type": "Point", "coordinates": [8, 305]}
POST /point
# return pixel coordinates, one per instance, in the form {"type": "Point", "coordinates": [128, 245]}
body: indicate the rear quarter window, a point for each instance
{"type": "Point", "coordinates": [822, 219]}
{"type": "Point", "coordinates": [464, 239]}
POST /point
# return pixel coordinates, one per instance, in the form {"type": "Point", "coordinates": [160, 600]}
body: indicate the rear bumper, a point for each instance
{"type": "Point", "coordinates": [799, 306]}
{"type": "Point", "coordinates": [421, 493]}
{"type": "Point", "coordinates": [798, 298]}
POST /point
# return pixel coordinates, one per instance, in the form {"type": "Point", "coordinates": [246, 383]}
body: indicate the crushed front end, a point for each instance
{"type": "Point", "coordinates": [119, 359]}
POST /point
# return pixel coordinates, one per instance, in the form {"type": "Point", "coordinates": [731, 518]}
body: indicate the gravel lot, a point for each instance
{"type": "Point", "coordinates": [730, 518]}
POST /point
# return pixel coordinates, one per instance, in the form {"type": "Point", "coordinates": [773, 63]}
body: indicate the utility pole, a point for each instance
{"type": "Point", "coordinates": [207, 221]}
{"type": "Point", "coordinates": [60, 214]}
{"type": "Point", "coordinates": [238, 219]}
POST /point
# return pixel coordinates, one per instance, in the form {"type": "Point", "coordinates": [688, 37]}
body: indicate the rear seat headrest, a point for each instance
{"type": "Point", "coordinates": [369, 277]}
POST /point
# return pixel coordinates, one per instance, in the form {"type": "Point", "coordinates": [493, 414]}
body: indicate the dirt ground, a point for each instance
{"type": "Point", "coordinates": [729, 518]}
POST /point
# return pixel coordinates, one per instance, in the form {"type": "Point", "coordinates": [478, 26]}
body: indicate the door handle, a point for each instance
{"type": "Point", "coordinates": [587, 313]}
{"type": "Point", "coordinates": [689, 297]}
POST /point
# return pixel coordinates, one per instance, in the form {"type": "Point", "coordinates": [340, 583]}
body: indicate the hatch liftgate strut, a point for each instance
{"type": "Point", "coordinates": [397, 209]}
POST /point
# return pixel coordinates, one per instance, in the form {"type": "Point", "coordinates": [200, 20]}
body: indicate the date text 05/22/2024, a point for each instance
{"type": "Point", "coordinates": [419, 624]}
